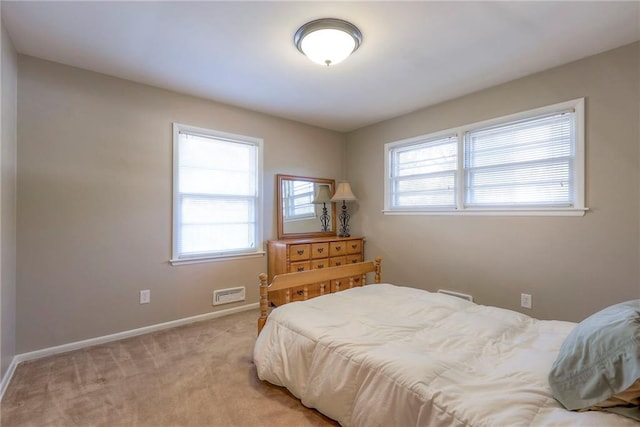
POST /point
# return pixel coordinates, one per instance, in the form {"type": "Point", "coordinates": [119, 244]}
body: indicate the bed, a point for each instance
{"type": "Point", "coordinates": [385, 355]}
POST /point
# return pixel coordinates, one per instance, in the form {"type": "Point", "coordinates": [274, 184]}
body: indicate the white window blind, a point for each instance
{"type": "Point", "coordinates": [527, 163]}
{"type": "Point", "coordinates": [216, 194]}
{"type": "Point", "coordinates": [297, 200]}
{"type": "Point", "coordinates": [423, 174]}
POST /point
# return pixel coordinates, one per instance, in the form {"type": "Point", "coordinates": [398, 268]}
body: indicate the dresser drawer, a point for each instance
{"type": "Point", "coordinates": [337, 261]}
{"type": "Point", "coordinates": [339, 285]}
{"type": "Point", "coordinates": [319, 263]}
{"type": "Point", "coordinates": [299, 252]}
{"type": "Point", "coordinates": [342, 284]}
{"type": "Point", "coordinates": [337, 248]}
{"type": "Point", "coordinates": [299, 266]}
{"type": "Point", "coordinates": [352, 259]}
{"type": "Point", "coordinates": [357, 281]}
{"type": "Point", "coordinates": [354, 246]}
{"type": "Point", "coordinates": [319, 250]}
{"type": "Point", "coordinates": [313, 290]}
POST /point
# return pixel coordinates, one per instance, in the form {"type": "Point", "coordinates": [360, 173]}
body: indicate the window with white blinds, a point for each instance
{"type": "Point", "coordinates": [526, 163]}
{"type": "Point", "coordinates": [423, 173]}
{"type": "Point", "coordinates": [217, 200]}
{"type": "Point", "coordinates": [523, 163]}
{"type": "Point", "coordinates": [297, 200]}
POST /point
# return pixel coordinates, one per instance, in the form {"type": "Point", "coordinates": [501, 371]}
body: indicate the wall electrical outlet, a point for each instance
{"type": "Point", "coordinates": [525, 300]}
{"type": "Point", "coordinates": [145, 296]}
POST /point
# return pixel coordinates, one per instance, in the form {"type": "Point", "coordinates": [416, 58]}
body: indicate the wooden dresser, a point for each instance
{"type": "Point", "coordinates": [292, 255]}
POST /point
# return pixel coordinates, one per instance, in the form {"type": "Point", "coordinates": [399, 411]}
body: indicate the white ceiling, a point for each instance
{"type": "Point", "coordinates": [414, 54]}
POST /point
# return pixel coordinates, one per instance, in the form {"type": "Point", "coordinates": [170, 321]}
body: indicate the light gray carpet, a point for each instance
{"type": "Point", "coordinates": [200, 374]}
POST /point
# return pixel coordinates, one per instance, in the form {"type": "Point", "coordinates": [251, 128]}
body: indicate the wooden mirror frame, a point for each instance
{"type": "Point", "coordinates": [281, 233]}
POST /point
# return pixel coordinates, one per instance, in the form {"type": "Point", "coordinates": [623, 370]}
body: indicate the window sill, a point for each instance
{"type": "Point", "coordinates": [216, 258]}
{"type": "Point", "coordinates": [495, 212]}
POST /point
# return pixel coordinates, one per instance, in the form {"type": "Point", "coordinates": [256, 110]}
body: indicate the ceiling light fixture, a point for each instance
{"type": "Point", "coordinates": [328, 41]}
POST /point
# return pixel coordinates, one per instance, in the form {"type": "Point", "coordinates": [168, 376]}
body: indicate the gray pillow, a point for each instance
{"type": "Point", "coordinates": [599, 358]}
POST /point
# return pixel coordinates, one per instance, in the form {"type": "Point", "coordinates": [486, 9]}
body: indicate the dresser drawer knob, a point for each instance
{"type": "Point", "coordinates": [338, 248]}
{"type": "Point", "coordinates": [354, 246]}
{"type": "Point", "coordinates": [300, 268]}
{"type": "Point", "coordinates": [320, 250]}
{"type": "Point", "coordinates": [320, 265]}
{"type": "Point", "coordinates": [338, 263]}
{"type": "Point", "coordinates": [300, 251]}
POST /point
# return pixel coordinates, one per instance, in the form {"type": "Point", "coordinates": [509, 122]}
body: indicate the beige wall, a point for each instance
{"type": "Point", "coordinates": [94, 201]}
{"type": "Point", "coordinates": [9, 72]}
{"type": "Point", "coordinates": [571, 266]}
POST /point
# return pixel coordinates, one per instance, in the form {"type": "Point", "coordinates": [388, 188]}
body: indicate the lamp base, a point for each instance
{"type": "Point", "coordinates": [324, 218]}
{"type": "Point", "coordinates": [344, 221]}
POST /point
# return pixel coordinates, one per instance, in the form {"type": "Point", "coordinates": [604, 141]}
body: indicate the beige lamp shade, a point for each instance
{"type": "Point", "coordinates": [323, 195]}
{"type": "Point", "coordinates": [343, 193]}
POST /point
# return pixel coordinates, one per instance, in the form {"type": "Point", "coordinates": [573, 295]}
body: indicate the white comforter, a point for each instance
{"type": "Point", "coordinates": [384, 355]}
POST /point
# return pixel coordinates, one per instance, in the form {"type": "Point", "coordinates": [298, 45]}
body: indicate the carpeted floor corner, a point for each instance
{"type": "Point", "coordinates": [200, 374]}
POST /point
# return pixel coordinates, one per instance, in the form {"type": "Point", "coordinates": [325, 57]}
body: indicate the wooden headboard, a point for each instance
{"type": "Point", "coordinates": [322, 276]}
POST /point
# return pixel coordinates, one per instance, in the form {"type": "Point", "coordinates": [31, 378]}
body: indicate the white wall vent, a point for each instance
{"type": "Point", "coordinates": [456, 294]}
{"type": "Point", "coordinates": [225, 296]}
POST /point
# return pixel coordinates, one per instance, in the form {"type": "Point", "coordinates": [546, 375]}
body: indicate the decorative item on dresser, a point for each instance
{"type": "Point", "coordinates": [323, 196]}
{"type": "Point", "coordinates": [294, 255]}
{"type": "Point", "coordinates": [345, 194]}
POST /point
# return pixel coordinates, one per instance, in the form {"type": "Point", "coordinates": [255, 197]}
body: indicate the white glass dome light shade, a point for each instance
{"type": "Point", "coordinates": [327, 47]}
{"type": "Point", "coordinates": [327, 41]}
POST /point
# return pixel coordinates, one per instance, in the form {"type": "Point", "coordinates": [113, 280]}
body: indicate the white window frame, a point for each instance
{"type": "Point", "coordinates": [289, 207]}
{"type": "Point", "coordinates": [578, 209]}
{"type": "Point", "coordinates": [257, 251]}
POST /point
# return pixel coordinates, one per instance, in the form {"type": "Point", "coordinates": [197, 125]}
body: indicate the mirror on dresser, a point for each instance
{"type": "Point", "coordinates": [303, 208]}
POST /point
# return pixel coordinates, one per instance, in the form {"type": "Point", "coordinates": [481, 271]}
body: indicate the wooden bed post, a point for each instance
{"type": "Point", "coordinates": [377, 264]}
{"type": "Point", "coordinates": [264, 301]}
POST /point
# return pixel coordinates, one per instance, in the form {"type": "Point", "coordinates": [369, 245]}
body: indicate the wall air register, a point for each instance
{"type": "Point", "coordinates": [226, 296]}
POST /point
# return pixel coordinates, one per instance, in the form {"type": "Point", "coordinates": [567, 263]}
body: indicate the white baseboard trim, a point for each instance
{"type": "Point", "coordinates": [6, 378]}
{"type": "Point", "coordinates": [50, 351]}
